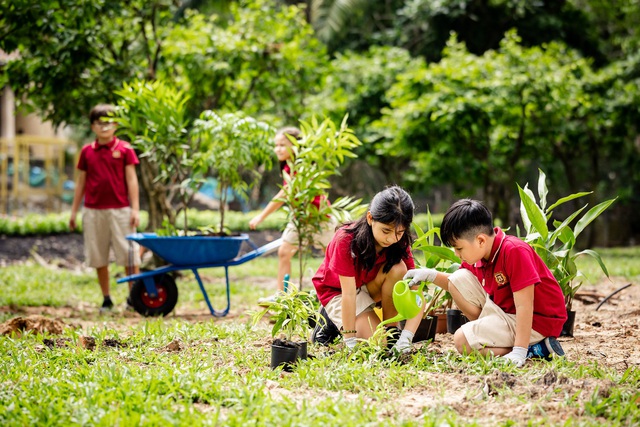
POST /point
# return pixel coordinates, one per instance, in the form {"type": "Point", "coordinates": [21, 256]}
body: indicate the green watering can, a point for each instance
{"type": "Point", "coordinates": [407, 301]}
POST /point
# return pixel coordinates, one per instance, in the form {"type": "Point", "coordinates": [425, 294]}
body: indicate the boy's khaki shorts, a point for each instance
{"type": "Point", "coordinates": [494, 327]}
{"type": "Point", "coordinates": [320, 240]}
{"type": "Point", "coordinates": [364, 303]}
{"type": "Point", "coordinates": [107, 228]}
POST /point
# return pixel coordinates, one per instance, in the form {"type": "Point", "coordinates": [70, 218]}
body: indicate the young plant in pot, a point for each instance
{"type": "Point", "coordinates": [428, 252]}
{"type": "Point", "coordinates": [291, 314]}
{"type": "Point", "coordinates": [555, 242]}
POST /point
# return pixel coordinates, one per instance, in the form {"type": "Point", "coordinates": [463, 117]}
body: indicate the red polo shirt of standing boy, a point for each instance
{"type": "Point", "coordinates": [106, 184]}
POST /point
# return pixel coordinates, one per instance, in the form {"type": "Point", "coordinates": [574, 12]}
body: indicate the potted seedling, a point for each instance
{"type": "Point", "coordinates": [555, 242]}
{"type": "Point", "coordinates": [291, 314]}
{"type": "Point", "coordinates": [429, 253]}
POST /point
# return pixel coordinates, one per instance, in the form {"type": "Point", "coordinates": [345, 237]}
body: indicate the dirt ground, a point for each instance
{"type": "Point", "coordinates": [606, 335]}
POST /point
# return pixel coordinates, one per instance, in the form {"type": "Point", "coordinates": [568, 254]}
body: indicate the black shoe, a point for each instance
{"type": "Point", "coordinates": [392, 337]}
{"type": "Point", "coordinates": [107, 305]}
{"type": "Point", "coordinates": [325, 331]}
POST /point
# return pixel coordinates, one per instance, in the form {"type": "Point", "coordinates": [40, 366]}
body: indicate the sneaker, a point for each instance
{"type": "Point", "coordinates": [554, 346]}
{"type": "Point", "coordinates": [267, 301]}
{"type": "Point", "coordinates": [107, 305]}
{"type": "Point", "coordinates": [545, 349]}
{"type": "Point", "coordinates": [325, 332]}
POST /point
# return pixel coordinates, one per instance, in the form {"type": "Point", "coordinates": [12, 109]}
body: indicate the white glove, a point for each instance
{"type": "Point", "coordinates": [421, 275]}
{"type": "Point", "coordinates": [517, 356]}
{"type": "Point", "coordinates": [403, 345]}
{"type": "Point", "coordinates": [350, 342]}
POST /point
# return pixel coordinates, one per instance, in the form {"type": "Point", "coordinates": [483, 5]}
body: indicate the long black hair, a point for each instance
{"type": "Point", "coordinates": [392, 206]}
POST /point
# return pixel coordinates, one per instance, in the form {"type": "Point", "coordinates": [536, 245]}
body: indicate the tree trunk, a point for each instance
{"type": "Point", "coordinates": [156, 196]}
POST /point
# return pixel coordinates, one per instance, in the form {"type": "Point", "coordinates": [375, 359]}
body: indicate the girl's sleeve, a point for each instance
{"type": "Point", "coordinates": [409, 261]}
{"type": "Point", "coordinates": [341, 261]}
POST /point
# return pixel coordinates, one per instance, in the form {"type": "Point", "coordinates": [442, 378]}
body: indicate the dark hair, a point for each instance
{"type": "Point", "coordinates": [99, 111]}
{"type": "Point", "coordinates": [393, 206]}
{"type": "Point", "coordinates": [465, 219]}
{"type": "Point", "coordinates": [287, 131]}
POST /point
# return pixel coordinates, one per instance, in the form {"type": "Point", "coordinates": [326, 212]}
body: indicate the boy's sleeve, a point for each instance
{"type": "Point", "coordinates": [130, 156]}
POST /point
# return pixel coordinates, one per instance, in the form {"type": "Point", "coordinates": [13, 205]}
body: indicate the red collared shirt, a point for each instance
{"type": "Point", "coordinates": [338, 261]}
{"type": "Point", "coordinates": [513, 265]}
{"type": "Point", "coordinates": [104, 164]}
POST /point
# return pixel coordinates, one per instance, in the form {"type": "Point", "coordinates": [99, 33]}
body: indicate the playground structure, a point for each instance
{"type": "Point", "coordinates": [32, 168]}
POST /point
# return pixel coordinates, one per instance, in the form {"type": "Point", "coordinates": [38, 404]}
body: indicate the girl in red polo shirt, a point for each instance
{"type": "Point", "coordinates": [289, 245]}
{"type": "Point", "coordinates": [362, 264]}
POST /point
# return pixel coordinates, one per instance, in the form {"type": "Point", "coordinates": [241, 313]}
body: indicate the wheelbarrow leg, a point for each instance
{"type": "Point", "coordinates": [206, 296]}
{"type": "Point", "coordinates": [150, 286]}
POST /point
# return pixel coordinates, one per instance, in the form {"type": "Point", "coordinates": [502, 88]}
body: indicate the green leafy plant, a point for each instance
{"type": "Point", "coordinates": [234, 147]}
{"type": "Point", "coordinates": [556, 244]}
{"type": "Point", "coordinates": [177, 158]}
{"type": "Point", "coordinates": [437, 256]}
{"type": "Point", "coordinates": [291, 312]}
{"type": "Point", "coordinates": [153, 117]}
{"type": "Point", "coordinates": [316, 157]}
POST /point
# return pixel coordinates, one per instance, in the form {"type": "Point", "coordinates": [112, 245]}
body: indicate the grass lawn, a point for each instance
{"type": "Point", "coordinates": [192, 369]}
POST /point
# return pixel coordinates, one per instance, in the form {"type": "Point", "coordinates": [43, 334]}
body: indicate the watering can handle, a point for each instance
{"type": "Point", "coordinates": [399, 317]}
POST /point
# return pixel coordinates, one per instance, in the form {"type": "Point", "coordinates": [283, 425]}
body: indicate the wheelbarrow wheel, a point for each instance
{"type": "Point", "coordinates": [160, 305]}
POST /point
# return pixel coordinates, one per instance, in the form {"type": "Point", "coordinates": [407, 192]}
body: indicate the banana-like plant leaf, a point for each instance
{"type": "Point", "coordinates": [595, 255]}
{"type": "Point", "coordinates": [566, 199]}
{"type": "Point", "coordinates": [593, 213]}
{"type": "Point", "coordinates": [535, 215]}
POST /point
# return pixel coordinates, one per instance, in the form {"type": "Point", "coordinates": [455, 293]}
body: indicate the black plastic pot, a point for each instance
{"type": "Point", "coordinates": [567, 328]}
{"type": "Point", "coordinates": [284, 356]}
{"type": "Point", "coordinates": [287, 353]}
{"type": "Point", "coordinates": [426, 330]}
{"type": "Point", "coordinates": [302, 350]}
{"type": "Point", "coordinates": [455, 319]}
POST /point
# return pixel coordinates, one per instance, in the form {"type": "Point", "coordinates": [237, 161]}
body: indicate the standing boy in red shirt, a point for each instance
{"type": "Point", "coordinates": [515, 305]}
{"type": "Point", "coordinates": [107, 180]}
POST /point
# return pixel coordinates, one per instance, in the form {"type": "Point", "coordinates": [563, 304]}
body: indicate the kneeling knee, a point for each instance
{"type": "Point", "coordinates": [461, 343]}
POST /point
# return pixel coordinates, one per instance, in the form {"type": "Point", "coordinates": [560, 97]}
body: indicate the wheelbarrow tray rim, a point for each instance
{"type": "Point", "coordinates": [191, 250]}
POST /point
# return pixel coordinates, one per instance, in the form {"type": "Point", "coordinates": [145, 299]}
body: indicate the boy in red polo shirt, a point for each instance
{"type": "Point", "coordinates": [515, 305]}
{"type": "Point", "coordinates": [107, 180]}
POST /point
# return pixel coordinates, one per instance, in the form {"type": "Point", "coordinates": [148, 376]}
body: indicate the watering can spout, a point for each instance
{"type": "Point", "coordinates": [408, 302]}
{"type": "Point", "coordinates": [397, 318]}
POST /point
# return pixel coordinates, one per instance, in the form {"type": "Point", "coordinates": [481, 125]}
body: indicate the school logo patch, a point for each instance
{"type": "Point", "coordinates": [501, 279]}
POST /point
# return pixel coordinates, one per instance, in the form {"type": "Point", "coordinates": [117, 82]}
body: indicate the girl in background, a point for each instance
{"type": "Point", "coordinates": [283, 150]}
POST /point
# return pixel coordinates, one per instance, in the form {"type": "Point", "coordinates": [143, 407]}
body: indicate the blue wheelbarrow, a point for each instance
{"type": "Point", "coordinates": [154, 293]}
